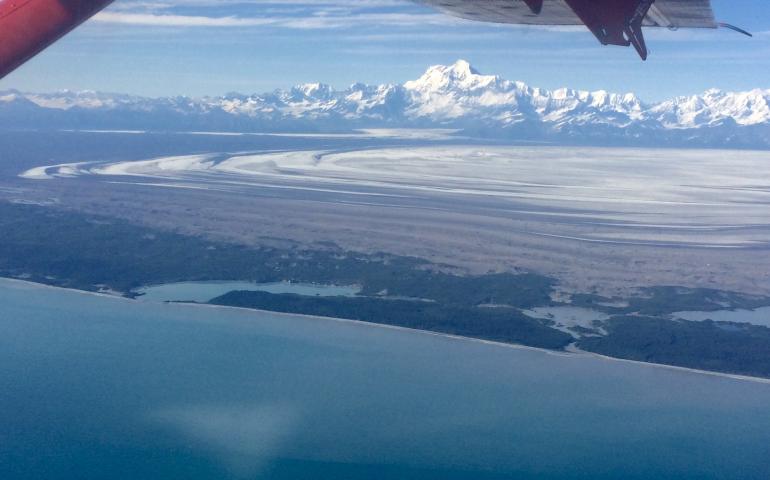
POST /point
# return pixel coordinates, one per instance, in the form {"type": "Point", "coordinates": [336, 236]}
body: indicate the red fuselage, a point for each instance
{"type": "Point", "coordinates": [29, 26]}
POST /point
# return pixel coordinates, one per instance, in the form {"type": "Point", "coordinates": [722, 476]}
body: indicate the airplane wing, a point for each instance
{"type": "Point", "coordinates": [613, 22]}
{"type": "Point", "coordinates": [29, 26]}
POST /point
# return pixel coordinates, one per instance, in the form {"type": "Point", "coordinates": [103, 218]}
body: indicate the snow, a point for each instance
{"type": "Point", "coordinates": [713, 107]}
{"type": "Point", "coordinates": [708, 199]}
{"type": "Point", "coordinates": [445, 96]}
{"type": "Point", "coordinates": [50, 172]}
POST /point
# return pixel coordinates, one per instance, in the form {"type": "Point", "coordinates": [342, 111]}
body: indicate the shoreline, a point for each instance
{"type": "Point", "coordinates": [573, 352]}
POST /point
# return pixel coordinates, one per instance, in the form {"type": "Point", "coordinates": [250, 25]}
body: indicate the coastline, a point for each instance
{"type": "Point", "coordinates": [573, 352]}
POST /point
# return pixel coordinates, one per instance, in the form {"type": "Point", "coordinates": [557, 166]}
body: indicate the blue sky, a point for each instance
{"type": "Point", "coordinates": [210, 47]}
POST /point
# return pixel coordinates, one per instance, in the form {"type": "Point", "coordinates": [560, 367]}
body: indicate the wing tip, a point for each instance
{"type": "Point", "coordinates": [734, 28]}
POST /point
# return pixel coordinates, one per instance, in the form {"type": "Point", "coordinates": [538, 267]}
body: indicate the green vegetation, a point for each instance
{"type": "Point", "coordinates": [73, 250]}
{"type": "Point", "coordinates": [668, 299]}
{"type": "Point", "coordinates": [501, 324]}
{"type": "Point", "coordinates": [718, 346]}
{"type": "Point", "coordinates": [522, 291]}
{"type": "Point", "coordinates": [86, 252]}
{"type": "Point", "coordinates": [664, 300]}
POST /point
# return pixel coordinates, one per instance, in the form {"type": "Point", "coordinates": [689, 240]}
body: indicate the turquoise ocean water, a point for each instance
{"type": "Point", "coordinates": [94, 387]}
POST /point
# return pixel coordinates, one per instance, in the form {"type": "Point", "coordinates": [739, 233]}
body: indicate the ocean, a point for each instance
{"type": "Point", "coordinates": [97, 387]}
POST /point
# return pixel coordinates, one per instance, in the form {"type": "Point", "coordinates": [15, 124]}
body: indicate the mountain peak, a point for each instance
{"type": "Point", "coordinates": [462, 68]}
{"type": "Point", "coordinates": [452, 96]}
{"type": "Point", "coordinates": [458, 76]}
{"type": "Point", "coordinates": [313, 90]}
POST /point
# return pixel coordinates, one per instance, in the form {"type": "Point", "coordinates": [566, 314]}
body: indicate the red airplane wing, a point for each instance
{"type": "Point", "coordinates": [29, 26]}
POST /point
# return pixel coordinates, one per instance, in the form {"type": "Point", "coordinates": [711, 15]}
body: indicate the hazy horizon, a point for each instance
{"type": "Point", "coordinates": [342, 88]}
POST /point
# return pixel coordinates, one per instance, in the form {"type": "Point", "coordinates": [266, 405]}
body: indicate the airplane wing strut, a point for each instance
{"type": "Point", "coordinates": [613, 22]}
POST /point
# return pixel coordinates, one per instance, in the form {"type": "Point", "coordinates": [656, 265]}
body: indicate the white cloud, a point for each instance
{"type": "Point", "coordinates": [297, 22]}
{"type": "Point", "coordinates": [149, 19]}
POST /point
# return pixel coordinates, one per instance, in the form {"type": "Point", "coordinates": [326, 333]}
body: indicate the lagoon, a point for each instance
{"type": "Point", "coordinates": [760, 316]}
{"type": "Point", "coordinates": [95, 387]}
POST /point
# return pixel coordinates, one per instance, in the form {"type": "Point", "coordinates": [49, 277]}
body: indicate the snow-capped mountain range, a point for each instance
{"type": "Point", "coordinates": [454, 96]}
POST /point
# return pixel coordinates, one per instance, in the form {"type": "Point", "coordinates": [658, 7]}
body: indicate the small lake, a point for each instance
{"type": "Point", "coordinates": [202, 292]}
{"type": "Point", "coordinates": [760, 316]}
{"type": "Point", "coordinates": [566, 317]}
{"type": "Point", "coordinates": [95, 387]}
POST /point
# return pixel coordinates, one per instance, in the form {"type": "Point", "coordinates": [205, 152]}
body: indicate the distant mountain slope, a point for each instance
{"type": "Point", "coordinates": [454, 96]}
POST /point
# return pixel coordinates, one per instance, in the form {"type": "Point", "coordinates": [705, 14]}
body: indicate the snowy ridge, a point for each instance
{"type": "Point", "coordinates": [454, 96]}
{"type": "Point", "coordinates": [714, 107]}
